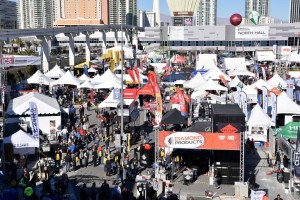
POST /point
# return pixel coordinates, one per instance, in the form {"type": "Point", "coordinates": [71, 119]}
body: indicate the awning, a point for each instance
{"type": "Point", "coordinates": [146, 90]}
{"type": "Point", "coordinates": [130, 93]}
{"type": "Point", "coordinates": [289, 131]}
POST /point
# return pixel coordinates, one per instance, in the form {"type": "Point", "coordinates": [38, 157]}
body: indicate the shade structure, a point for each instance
{"type": "Point", "coordinates": [285, 105]}
{"type": "Point", "coordinates": [146, 90]}
{"type": "Point", "coordinates": [249, 90]}
{"type": "Point", "coordinates": [55, 72]}
{"type": "Point", "coordinates": [196, 81]}
{"type": "Point", "coordinates": [95, 77]}
{"type": "Point", "coordinates": [232, 64]}
{"type": "Point", "coordinates": [110, 102]}
{"type": "Point", "coordinates": [215, 74]}
{"type": "Point", "coordinates": [174, 77]}
{"type": "Point", "coordinates": [20, 139]}
{"type": "Point", "coordinates": [259, 118]}
{"type": "Point", "coordinates": [92, 70]}
{"type": "Point", "coordinates": [173, 117]}
{"type": "Point", "coordinates": [289, 131]}
{"type": "Point", "coordinates": [211, 85]}
{"type": "Point", "coordinates": [277, 81]}
{"type": "Point", "coordinates": [235, 82]}
{"type": "Point", "coordinates": [206, 61]}
{"type": "Point", "coordinates": [109, 84]}
{"type": "Point", "coordinates": [86, 84]}
{"type": "Point", "coordinates": [260, 83]}
{"type": "Point", "coordinates": [39, 78]}
{"type": "Point", "coordinates": [67, 79]}
{"type": "Point", "coordinates": [84, 77]}
{"type": "Point", "coordinates": [108, 75]}
{"type": "Point", "coordinates": [241, 72]}
{"type": "Point", "coordinates": [198, 94]}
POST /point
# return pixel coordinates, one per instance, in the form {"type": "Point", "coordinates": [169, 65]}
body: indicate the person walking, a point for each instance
{"type": "Point", "coordinates": [68, 161]}
{"type": "Point", "coordinates": [86, 156]}
{"type": "Point", "coordinates": [119, 172]}
{"type": "Point", "coordinates": [81, 157]}
{"type": "Point", "coordinates": [95, 156]}
{"type": "Point", "coordinates": [57, 158]}
{"type": "Point", "coordinates": [278, 197]}
{"type": "Point", "coordinates": [100, 154]}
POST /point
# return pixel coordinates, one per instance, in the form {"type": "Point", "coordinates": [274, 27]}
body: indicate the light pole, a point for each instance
{"type": "Point", "coordinates": [122, 79]}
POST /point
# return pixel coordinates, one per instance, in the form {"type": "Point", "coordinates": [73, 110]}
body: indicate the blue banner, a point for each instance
{"type": "Point", "coordinates": [85, 67]}
{"type": "Point", "coordinates": [256, 68]}
{"type": "Point", "coordinates": [34, 120]}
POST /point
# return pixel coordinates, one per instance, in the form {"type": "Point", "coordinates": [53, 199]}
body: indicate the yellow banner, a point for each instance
{"type": "Point", "coordinates": [112, 65]}
{"type": "Point", "coordinates": [116, 56]}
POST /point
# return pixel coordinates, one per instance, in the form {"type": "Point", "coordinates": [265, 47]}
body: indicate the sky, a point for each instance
{"type": "Point", "coordinates": [225, 8]}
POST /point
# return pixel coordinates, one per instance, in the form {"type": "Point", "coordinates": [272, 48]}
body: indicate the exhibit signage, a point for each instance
{"type": "Point", "coordinates": [202, 140]}
{"type": "Point", "coordinates": [252, 32]}
{"type": "Point", "coordinates": [17, 60]}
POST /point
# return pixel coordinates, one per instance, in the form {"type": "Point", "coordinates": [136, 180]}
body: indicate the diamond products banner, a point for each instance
{"type": "Point", "coordinates": [34, 120]}
{"type": "Point", "coordinates": [290, 88]}
{"type": "Point", "coordinates": [274, 106]}
{"type": "Point", "coordinates": [297, 156]}
{"type": "Point", "coordinates": [265, 99]}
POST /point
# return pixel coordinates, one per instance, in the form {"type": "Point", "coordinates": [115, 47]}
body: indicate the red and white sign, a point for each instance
{"type": "Point", "coordinates": [285, 50]}
{"type": "Point", "coordinates": [184, 140]}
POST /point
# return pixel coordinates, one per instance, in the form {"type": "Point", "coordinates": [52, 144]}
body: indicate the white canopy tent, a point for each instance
{"type": "Point", "coordinates": [293, 57]}
{"type": "Point", "coordinates": [127, 78]}
{"type": "Point", "coordinates": [234, 82]}
{"type": "Point", "coordinates": [86, 84]}
{"type": "Point", "coordinates": [241, 72]}
{"type": "Point", "coordinates": [84, 77]}
{"type": "Point", "coordinates": [22, 142]}
{"type": "Point", "coordinates": [211, 85]}
{"type": "Point", "coordinates": [109, 84]}
{"type": "Point", "coordinates": [258, 124]}
{"type": "Point", "coordinates": [251, 93]}
{"type": "Point", "coordinates": [39, 78]}
{"type": "Point", "coordinates": [128, 53]}
{"type": "Point", "coordinates": [95, 78]}
{"type": "Point", "coordinates": [196, 81]}
{"type": "Point", "coordinates": [265, 56]}
{"type": "Point", "coordinates": [206, 61]}
{"type": "Point", "coordinates": [110, 102]}
{"type": "Point", "coordinates": [276, 80]}
{"type": "Point", "coordinates": [260, 83]}
{"type": "Point", "coordinates": [232, 64]}
{"type": "Point", "coordinates": [67, 79]}
{"type": "Point", "coordinates": [92, 70]}
{"type": "Point", "coordinates": [108, 75]}
{"type": "Point", "coordinates": [55, 72]}
{"type": "Point", "coordinates": [215, 74]}
{"type": "Point", "coordinates": [198, 94]}
{"type": "Point", "coordinates": [159, 66]}
{"type": "Point", "coordinates": [286, 106]}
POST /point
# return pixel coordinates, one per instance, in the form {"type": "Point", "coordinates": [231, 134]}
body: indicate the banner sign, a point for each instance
{"type": "Point", "coordinates": [274, 106]}
{"type": "Point", "coordinates": [34, 120]}
{"type": "Point", "coordinates": [3, 94]}
{"type": "Point", "coordinates": [259, 194]}
{"type": "Point", "coordinates": [244, 104]}
{"type": "Point", "coordinates": [202, 140]}
{"type": "Point", "coordinates": [252, 32]}
{"type": "Point", "coordinates": [297, 156]}
{"type": "Point", "coordinates": [290, 88]}
{"type": "Point", "coordinates": [16, 60]}
{"type": "Point", "coordinates": [265, 99]}
{"type": "Point", "coordinates": [117, 93]}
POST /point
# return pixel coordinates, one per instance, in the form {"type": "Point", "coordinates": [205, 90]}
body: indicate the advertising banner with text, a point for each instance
{"type": "Point", "coordinates": [201, 140]}
{"type": "Point", "coordinates": [17, 61]}
{"type": "Point", "coordinates": [252, 32]}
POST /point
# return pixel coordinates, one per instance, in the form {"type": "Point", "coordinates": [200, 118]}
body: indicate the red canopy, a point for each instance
{"type": "Point", "coordinates": [130, 93]}
{"type": "Point", "coordinates": [146, 90]}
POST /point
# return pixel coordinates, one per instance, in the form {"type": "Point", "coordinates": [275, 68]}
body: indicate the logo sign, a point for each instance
{"type": "Point", "coordinates": [184, 140]}
{"type": "Point", "coordinates": [7, 60]}
{"type": "Point", "coordinates": [34, 120]}
{"type": "Point", "coordinates": [229, 129]}
{"type": "Point", "coordinates": [252, 32]}
{"type": "Point", "coordinates": [183, 13]}
{"type": "Point", "coordinates": [285, 50]}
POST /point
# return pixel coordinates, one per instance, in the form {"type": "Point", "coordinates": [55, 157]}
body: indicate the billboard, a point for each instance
{"type": "Point", "coordinates": [188, 21]}
{"type": "Point", "coordinates": [200, 140]}
{"type": "Point", "coordinates": [178, 21]}
{"type": "Point", "coordinates": [285, 50]}
{"type": "Point", "coordinates": [17, 61]}
{"type": "Point", "coordinates": [252, 32]}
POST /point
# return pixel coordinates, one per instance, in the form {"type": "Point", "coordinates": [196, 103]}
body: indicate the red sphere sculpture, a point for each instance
{"type": "Point", "coordinates": [236, 19]}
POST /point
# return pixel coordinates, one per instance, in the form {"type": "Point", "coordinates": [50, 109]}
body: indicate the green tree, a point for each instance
{"type": "Point", "coordinates": [12, 42]}
{"type": "Point", "coordinates": [35, 44]}
{"type": "Point", "coordinates": [28, 44]}
{"type": "Point", "coordinates": [20, 43]}
{"type": "Point", "coordinates": [29, 70]}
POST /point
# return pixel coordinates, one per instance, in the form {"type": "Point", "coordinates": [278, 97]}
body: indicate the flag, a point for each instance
{"type": "Point", "coordinates": [103, 65]}
{"type": "Point", "coordinates": [244, 104]}
{"type": "Point", "coordinates": [182, 104]}
{"type": "Point", "coordinates": [290, 88]}
{"type": "Point", "coordinates": [85, 67]}
{"type": "Point", "coordinates": [152, 77]}
{"type": "Point", "coordinates": [3, 94]}
{"type": "Point", "coordinates": [297, 156]}
{"type": "Point", "coordinates": [274, 106]}
{"type": "Point", "coordinates": [34, 120]}
{"type": "Point", "coordinates": [254, 17]}
{"type": "Point", "coordinates": [137, 74]}
{"type": "Point", "coordinates": [131, 74]}
{"type": "Point", "coordinates": [265, 99]}
{"type": "Point", "coordinates": [264, 73]}
{"type": "Point", "coordinates": [158, 111]}
{"type": "Point", "coordinates": [92, 95]}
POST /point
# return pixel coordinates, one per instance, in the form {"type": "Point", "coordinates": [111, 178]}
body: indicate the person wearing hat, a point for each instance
{"type": "Point", "coordinates": [278, 197]}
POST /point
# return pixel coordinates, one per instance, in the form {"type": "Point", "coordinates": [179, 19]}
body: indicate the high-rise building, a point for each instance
{"type": "Point", "coordinates": [146, 19]}
{"type": "Point", "coordinates": [121, 11]}
{"type": "Point", "coordinates": [8, 14]}
{"type": "Point", "coordinates": [294, 11]}
{"type": "Point", "coordinates": [260, 6]}
{"type": "Point", "coordinates": [35, 13]}
{"type": "Point", "coordinates": [156, 10]}
{"type": "Point", "coordinates": [206, 14]}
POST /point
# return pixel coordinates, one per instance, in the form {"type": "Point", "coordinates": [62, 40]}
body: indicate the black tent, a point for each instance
{"type": "Point", "coordinates": [173, 117]}
{"type": "Point", "coordinates": [200, 127]}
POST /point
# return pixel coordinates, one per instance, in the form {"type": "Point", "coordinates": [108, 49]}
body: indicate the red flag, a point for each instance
{"type": "Point", "coordinates": [152, 78]}
{"type": "Point", "coordinates": [224, 81]}
{"type": "Point", "coordinates": [182, 103]}
{"type": "Point", "coordinates": [137, 74]}
{"type": "Point", "coordinates": [131, 74]}
{"type": "Point", "coordinates": [92, 96]}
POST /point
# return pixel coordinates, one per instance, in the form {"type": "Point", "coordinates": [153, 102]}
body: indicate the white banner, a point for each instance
{"type": "Point", "coordinates": [285, 50]}
{"type": "Point", "coordinates": [273, 98]}
{"type": "Point", "coordinates": [257, 195]}
{"type": "Point", "coordinates": [264, 73]}
{"type": "Point", "coordinates": [34, 120]}
{"type": "Point", "coordinates": [244, 104]}
{"type": "Point", "coordinates": [290, 88]}
{"type": "Point", "coordinates": [17, 61]}
{"type": "Point", "coordinates": [265, 99]}
{"type": "Point", "coordinates": [252, 32]}
{"type": "Point", "coordinates": [238, 89]}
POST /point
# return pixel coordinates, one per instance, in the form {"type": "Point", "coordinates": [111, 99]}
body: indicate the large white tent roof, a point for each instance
{"type": "Point", "coordinates": [109, 102]}
{"type": "Point", "coordinates": [234, 82]}
{"type": "Point", "coordinates": [39, 78]}
{"type": "Point", "coordinates": [241, 72]}
{"type": "Point", "coordinates": [20, 139]}
{"type": "Point", "coordinates": [108, 75]}
{"type": "Point", "coordinates": [55, 72]}
{"type": "Point", "coordinates": [194, 82]}
{"type": "Point", "coordinates": [211, 85]}
{"type": "Point", "coordinates": [215, 74]}
{"type": "Point", "coordinates": [206, 61]}
{"type": "Point", "coordinates": [45, 104]}
{"type": "Point", "coordinates": [84, 77]}
{"type": "Point", "coordinates": [86, 84]}
{"type": "Point", "coordinates": [276, 80]}
{"type": "Point", "coordinates": [262, 56]}
{"type": "Point", "coordinates": [67, 79]}
{"type": "Point", "coordinates": [249, 90]}
{"type": "Point", "coordinates": [235, 63]}
{"type": "Point", "coordinates": [108, 84]}
{"type": "Point", "coordinates": [258, 117]}
{"type": "Point", "coordinates": [260, 83]}
{"type": "Point", "coordinates": [286, 106]}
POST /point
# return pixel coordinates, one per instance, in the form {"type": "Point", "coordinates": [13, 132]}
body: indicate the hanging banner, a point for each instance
{"type": "Point", "coordinates": [3, 94]}
{"type": "Point", "coordinates": [238, 89]}
{"type": "Point", "coordinates": [182, 103]}
{"type": "Point", "coordinates": [264, 73]}
{"type": "Point", "coordinates": [92, 96]}
{"type": "Point", "coordinates": [117, 93]}
{"type": "Point", "coordinates": [137, 74]}
{"type": "Point", "coordinates": [158, 111]}
{"type": "Point", "coordinates": [199, 140]}
{"type": "Point", "coordinates": [290, 88]}
{"type": "Point", "coordinates": [34, 120]}
{"type": "Point", "coordinates": [131, 74]}
{"type": "Point", "coordinates": [297, 156]}
{"type": "Point", "coordinates": [274, 106]}
{"type": "Point", "coordinates": [265, 99]}
{"type": "Point", "coordinates": [17, 61]}
{"type": "Point", "coordinates": [244, 104]}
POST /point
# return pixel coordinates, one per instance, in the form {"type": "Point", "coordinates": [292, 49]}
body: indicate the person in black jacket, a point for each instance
{"type": "Point", "coordinates": [83, 192]}
{"type": "Point", "coordinates": [95, 156]}
{"type": "Point", "coordinates": [68, 160]}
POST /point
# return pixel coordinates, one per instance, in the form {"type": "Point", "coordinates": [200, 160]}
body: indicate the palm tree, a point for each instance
{"type": "Point", "coordinates": [35, 44]}
{"type": "Point", "coordinates": [20, 43]}
{"type": "Point", "coordinates": [28, 45]}
{"type": "Point", "coordinates": [12, 42]}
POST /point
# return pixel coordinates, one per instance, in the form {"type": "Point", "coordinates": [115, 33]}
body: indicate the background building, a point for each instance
{"type": "Point", "coordinates": [183, 12]}
{"type": "Point", "coordinates": [121, 11]}
{"type": "Point", "coordinates": [8, 14]}
{"type": "Point", "coordinates": [262, 20]}
{"type": "Point", "coordinates": [206, 14]}
{"type": "Point", "coordinates": [294, 11]}
{"type": "Point", "coordinates": [35, 13]}
{"type": "Point", "coordinates": [261, 6]}
{"type": "Point", "coordinates": [146, 19]}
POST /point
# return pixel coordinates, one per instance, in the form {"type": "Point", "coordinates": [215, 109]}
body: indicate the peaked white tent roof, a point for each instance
{"type": "Point", "coordinates": [67, 79]}
{"type": "Point", "coordinates": [211, 85]}
{"type": "Point", "coordinates": [95, 77]}
{"type": "Point", "coordinates": [92, 70]}
{"type": "Point", "coordinates": [198, 93]}
{"type": "Point", "coordinates": [258, 117]}
{"type": "Point", "coordinates": [108, 84]}
{"type": "Point", "coordinates": [127, 51]}
{"type": "Point", "coordinates": [241, 72]}
{"type": "Point", "coordinates": [20, 139]}
{"type": "Point", "coordinates": [234, 82]}
{"type": "Point", "coordinates": [258, 84]}
{"type": "Point", "coordinates": [215, 74]}
{"type": "Point", "coordinates": [127, 77]}
{"type": "Point", "coordinates": [277, 80]}
{"type": "Point", "coordinates": [108, 75]}
{"type": "Point", "coordinates": [36, 78]}
{"type": "Point", "coordinates": [158, 66]}
{"type": "Point", "coordinates": [286, 106]}
{"type": "Point", "coordinates": [235, 63]}
{"type": "Point", "coordinates": [109, 102]}
{"type": "Point", "coordinates": [194, 82]}
{"type": "Point", "coordinates": [84, 77]}
{"type": "Point", "coordinates": [249, 90]}
{"type": "Point", "coordinates": [86, 84]}
{"type": "Point", "coordinates": [262, 56]}
{"type": "Point", "coordinates": [55, 72]}
{"type": "Point", "coordinates": [45, 104]}
{"type": "Point", "coordinates": [206, 61]}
